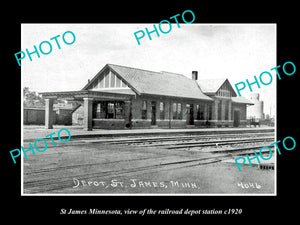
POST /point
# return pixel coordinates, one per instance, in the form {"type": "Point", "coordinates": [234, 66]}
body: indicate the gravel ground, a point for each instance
{"type": "Point", "coordinates": [95, 168]}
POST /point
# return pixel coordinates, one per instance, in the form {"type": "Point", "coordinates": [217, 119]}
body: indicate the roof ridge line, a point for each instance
{"type": "Point", "coordinates": [158, 72]}
{"type": "Point", "coordinates": [214, 79]}
{"type": "Point", "coordinates": [133, 68]}
{"type": "Point", "coordinates": [174, 73]}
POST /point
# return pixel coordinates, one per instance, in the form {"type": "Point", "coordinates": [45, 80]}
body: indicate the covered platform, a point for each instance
{"type": "Point", "coordinates": [88, 97]}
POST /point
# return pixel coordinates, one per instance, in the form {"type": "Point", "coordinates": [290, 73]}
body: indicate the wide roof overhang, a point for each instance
{"type": "Point", "coordinates": [79, 95]}
{"type": "Point", "coordinates": [111, 94]}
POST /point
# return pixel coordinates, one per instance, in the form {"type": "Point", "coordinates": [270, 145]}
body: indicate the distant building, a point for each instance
{"type": "Point", "coordinates": [124, 97]}
{"type": "Point", "coordinates": [256, 110]}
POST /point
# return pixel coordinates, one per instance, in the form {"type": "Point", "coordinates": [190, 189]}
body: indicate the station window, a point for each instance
{"type": "Point", "coordinates": [209, 113]}
{"type": "Point", "coordinates": [144, 110]}
{"type": "Point", "coordinates": [109, 110]}
{"type": "Point", "coordinates": [200, 112]}
{"type": "Point", "coordinates": [119, 110]}
{"type": "Point", "coordinates": [197, 110]}
{"type": "Point", "coordinates": [174, 111]}
{"type": "Point", "coordinates": [98, 111]}
{"type": "Point", "coordinates": [162, 110]}
{"type": "Point", "coordinates": [177, 111]}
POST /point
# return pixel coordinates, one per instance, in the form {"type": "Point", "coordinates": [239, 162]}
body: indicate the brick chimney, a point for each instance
{"type": "Point", "coordinates": [195, 75]}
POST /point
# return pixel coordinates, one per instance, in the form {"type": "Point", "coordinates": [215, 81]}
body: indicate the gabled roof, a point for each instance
{"type": "Point", "coordinates": [157, 83]}
{"type": "Point", "coordinates": [241, 100]}
{"type": "Point", "coordinates": [211, 86]}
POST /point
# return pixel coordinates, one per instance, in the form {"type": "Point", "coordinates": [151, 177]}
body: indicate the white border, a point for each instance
{"type": "Point", "coordinates": [157, 194]}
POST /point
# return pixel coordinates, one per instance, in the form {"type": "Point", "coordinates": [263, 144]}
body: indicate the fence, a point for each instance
{"type": "Point", "coordinates": [36, 116]}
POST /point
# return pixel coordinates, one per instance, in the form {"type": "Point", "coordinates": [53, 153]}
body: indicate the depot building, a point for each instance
{"type": "Point", "coordinates": [121, 97]}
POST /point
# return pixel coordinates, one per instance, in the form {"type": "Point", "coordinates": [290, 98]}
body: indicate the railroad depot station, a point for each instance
{"type": "Point", "coordinates": [120, 97]}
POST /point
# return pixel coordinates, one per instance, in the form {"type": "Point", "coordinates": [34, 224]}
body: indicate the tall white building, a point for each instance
{"type": "Point", "coordinates": [257, 110]}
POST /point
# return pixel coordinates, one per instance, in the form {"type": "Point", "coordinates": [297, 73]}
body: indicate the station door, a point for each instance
{"type": "Point", "coordinates": [153, 113]}
{"type": "Point", "coordinates": [236, 118]}
{"type": "Point", "coordinates": [190, 114]}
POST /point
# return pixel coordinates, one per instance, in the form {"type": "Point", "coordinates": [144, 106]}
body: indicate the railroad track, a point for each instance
{"type": "Point", "coordinates": [215, 143]}
{"type": "Point", "coordinates": [177, 140]}
{"type": "Point", "coordinates": [138, 140]}
{"type": "Point", "coordinates": [40, 182]}
{"type": "Point", "coordinates": [52, 184]}
{"type": "Point", "coordinates": [55, 184]}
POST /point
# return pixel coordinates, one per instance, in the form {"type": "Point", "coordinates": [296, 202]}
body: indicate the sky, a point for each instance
{"type": "Point", "coordinates": [234, 51]}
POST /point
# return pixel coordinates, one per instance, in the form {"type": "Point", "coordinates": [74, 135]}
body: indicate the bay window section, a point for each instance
{"type": "Point", "coordinates": [108, 110]}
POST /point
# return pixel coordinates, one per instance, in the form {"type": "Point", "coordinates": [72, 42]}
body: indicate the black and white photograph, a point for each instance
{"type": "Point", "coordinates": [165, 109]}
{"type": "Point", "coordinates": [149, 112]}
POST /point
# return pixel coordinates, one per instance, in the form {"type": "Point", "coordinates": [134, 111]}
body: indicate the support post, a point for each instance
{"type": "Point", "coordinates": [229, 110]}
{"type": "Point", "coordinates": [205, 111]}
{"type": "Point", "coordinates": [170, 114]}
{"type": "Point", "coordinates": [49, 113]}
{"type": "Point", "coordinates": [215, 110]}
{"type": "Point", "coordinates": [128, 114]}
{"type": "Point", "coordinates": [88, 114]}
{"type": "Point", "coordinates": [223, 110]}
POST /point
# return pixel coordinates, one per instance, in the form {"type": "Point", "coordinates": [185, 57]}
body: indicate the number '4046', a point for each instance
{"type": "Point", "coordinates": [249, 185]}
